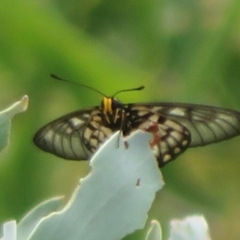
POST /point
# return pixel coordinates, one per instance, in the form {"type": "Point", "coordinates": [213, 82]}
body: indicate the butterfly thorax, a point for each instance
{"type": "Point", "coordinates": [113, 113]}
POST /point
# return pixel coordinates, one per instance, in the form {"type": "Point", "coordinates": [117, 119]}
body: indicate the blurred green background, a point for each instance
{"type": "Point", "coordinates": [181, 50]}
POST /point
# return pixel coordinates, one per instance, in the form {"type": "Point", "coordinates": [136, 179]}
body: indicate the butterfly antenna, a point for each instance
{"type": "Point", "coordinates": [131, 89]}
{"type": "Point", "coordinates": [65, 80]}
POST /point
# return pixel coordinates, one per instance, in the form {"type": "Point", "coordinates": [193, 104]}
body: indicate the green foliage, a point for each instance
{"type": "Point", "coordinates": [109, 204]}
{"type": "Point", "coordinates": [180, 50]}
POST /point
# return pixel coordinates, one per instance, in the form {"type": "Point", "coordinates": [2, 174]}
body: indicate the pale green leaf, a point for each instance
{"type": "Point", "coordinates": [9, 230]}
{"type": "Point", "coordinates": [113, 199]}
{"type": "Point", "coordinates": [29, 222]}
{"type": "Point", "coordinates": [190, 228]}
{"type": "Point", "coordinates": [155, 231]}
{"type": "Point", "coordinates": [6, 116]}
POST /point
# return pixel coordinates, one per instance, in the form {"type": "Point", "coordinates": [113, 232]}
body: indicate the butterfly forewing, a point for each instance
{"type": "Point", "coordinates": [206, 124]}
{"type": "Point", "coordinates": [74, 136]}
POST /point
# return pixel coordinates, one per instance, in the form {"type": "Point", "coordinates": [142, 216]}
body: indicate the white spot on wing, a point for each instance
{"type": "Point", "coordinates": [176, 135]}
{"type": "Point", "coordinates": [174, 125]}
{"type": "Point", "coordinates": [166, 157]}
{"type": "Point", "coordinates": [171, 141]}
{"type": "Point", "coordinates": [154, 118]}
{"type": "Point", "coordinates": [142, 113]}
{"type": "Point", "coordinates": [49, 135]}
{"type": "Point", "coordinates": [76, 123]}
{"type": "Point", "coordinates": [156, 109]}
{"type": "Point", "coordinates": [155, 151]}
{"type": "Point", "coordinates": [184, 143]}
{"type": "Point", "coordinates": [69, 131]}
{"type": "Point", "coordinates": [87, 133]}
{"type": "Point", "coordinates": [178, 112]}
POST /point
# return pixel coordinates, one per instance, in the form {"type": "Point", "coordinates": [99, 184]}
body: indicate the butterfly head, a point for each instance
{"type": "Point", "coordinates": [113, 110]}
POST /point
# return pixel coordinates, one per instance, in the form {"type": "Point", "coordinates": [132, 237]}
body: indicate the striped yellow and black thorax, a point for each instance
{"type": "Point", "coordinates": [113, 113]}
{"type": "Point", "coordinates": [123, 117]}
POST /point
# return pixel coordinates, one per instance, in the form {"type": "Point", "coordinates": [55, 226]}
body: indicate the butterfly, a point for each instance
{"type": "Point", "coordinates": [175, 126]}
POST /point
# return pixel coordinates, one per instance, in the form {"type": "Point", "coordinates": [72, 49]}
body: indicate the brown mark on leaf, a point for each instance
{"type": "Point", "coordinates": [126, 144]}
{"type": "Point", "coordinates": [138, 182]}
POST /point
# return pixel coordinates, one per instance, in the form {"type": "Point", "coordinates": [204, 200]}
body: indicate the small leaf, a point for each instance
{"type": "Point", "coordinates": [190, 228]}
{"type": "Point", "coordinates": [6, 116]}
{"type": "Point", "coordinates": [155, 231]}
{"type": "Point", "coordinates": [113, 199]}
{"type": "Point", "coordinates": [9, 230]}
{"type": "Point", "coordinates": [29, 222]}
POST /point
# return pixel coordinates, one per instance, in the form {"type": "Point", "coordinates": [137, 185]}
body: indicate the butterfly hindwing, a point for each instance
{"type": "Point", "coordinates": [170, 139]}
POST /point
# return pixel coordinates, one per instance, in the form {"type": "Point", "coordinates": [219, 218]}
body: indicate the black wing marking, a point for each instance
{"type": "Point", "coordinates": [74, 136]}
{"type": "Point", "coordinates": [206, 124]}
